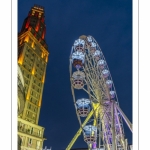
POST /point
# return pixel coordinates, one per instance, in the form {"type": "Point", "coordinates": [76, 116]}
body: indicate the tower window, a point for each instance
{"type": "Point", "coordinates": [31, 130]}
{"type": "Point", "coordinates": [38, 145]}
{"type": "Point", "coordinates": [35, 102]}
{"type": "Point", "coordinates": [30, 99]}
{"type": "Point", "coordinates": [33, 86]}
{"type": "Point", "coordinates": [39, 84]}
{"type": "Point", "coordinates": [27, 113]}
{"type": "Point", "coordinates": [34, 109]}
{"type": "Point", "coordinates": [36, 95]}
{"type": "Point", "coordinates": [29, 106]}
{"type": "Point", "coordinates": [30, 142]}
{"type": "Point", "coordinates": [33, 116]}
{"type": "Point", "coordinates": [34, 81]}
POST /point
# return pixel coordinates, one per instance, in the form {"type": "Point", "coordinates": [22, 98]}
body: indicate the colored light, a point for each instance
{"type": "Point", "coordinates": [37, 26]}
{"type": "Point", "coordinates": [46, 59]}
{"type": "Point", "coordinates": [27, 24]}
{"type": "Point", "coordinates": [43, 34]}
{"type": "Point", "coordinates": [94, 145]}
{"type": "Point", "coordinates": [33, 45]}
{"type": "Point", "coordinates": [20, 60]}
{"type": "Point", "coordinates": [26, 39]}
{"type": "Point", "coordinates": [39, 103]}
{"type": "Point", "coordinates": [33, 71]}
{"type": "Point", "coordinates": [43, 79]}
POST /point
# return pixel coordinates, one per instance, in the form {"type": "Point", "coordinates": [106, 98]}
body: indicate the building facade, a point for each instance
{"type": "Point", "coordinates": [32, 60]}
{"type": "Point", "coordinates": [20, 99]}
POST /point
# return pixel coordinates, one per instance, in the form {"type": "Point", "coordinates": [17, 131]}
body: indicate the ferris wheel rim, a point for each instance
{"type": "Point", "coordinates": [107, 67]}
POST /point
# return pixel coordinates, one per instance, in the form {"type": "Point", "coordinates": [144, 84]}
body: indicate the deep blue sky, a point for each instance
{"type": "Point", "coordinates": [110, 23]}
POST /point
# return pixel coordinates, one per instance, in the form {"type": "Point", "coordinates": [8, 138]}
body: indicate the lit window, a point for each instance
{"type": "Point", "coordinates": [30, 99]}
{"type": "Point", "coordinates": [34, 109]}
{"type": "Point", "coordinates": [38, 145]}
{"type": "Point", "coordinates": [35, 101]}
{"type": "Point", "coordinates": [33, 86]}
{"type": "Point", "coordinates": [29, 106]}
{"type": "Point", "coordinates": [28, 76]}
{"type": "Point", "coordinates": [33, 116]}
{"type": "Point", "coordinates": [31, 130]}
{"type": "Point", "coordinates": [30, 142]}
{"type": "Point", "coordinates": [27, 113]}
{"type": "Point", "coordinates": [22, 140]}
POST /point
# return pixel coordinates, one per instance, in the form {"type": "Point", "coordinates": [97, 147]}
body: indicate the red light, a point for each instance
{"type": "Point", "coordinates": [27, 24]}
{"type": "Point", "coordinates": [43, 34]}
{"type": "Point", "coordinates": [37, 26]}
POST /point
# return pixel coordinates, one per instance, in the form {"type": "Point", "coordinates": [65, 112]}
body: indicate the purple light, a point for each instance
{"type": "Point", "coordinates": [78, 66]}
{"type": "Point", "coordinates": [94, 145]}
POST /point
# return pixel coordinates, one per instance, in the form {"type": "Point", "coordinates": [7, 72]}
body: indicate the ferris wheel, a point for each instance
{"type": "Point", "coordinates": [99, 114]}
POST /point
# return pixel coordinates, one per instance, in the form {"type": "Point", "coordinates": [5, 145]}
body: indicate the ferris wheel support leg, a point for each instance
{"type": "Point", "coordinates": [79, 131]}
{"type": "Point", "coordinates": [113, 128]}
{"type": "Point", "coordinates": [126, 143]}
{"type": "Point", "coordinates": [99, 135]}
{"type": "Point", "coordinates": [124, 117]}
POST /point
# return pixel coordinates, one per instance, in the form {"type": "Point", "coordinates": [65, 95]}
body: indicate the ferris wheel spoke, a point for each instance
{"type": "Point", "coordinates": [90, 94]}
{"type": "Point", "coordinates": [91, 78]}
{"type": "Point", "coordinates": [90, 87]}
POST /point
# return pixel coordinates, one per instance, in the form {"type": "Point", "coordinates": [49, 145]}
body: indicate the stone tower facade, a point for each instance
{"type": "Point", "coordinates": [32, 60]}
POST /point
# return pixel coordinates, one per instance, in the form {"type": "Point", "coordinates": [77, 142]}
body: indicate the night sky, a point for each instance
{"type": "Point", "coordinates": [110, 23]}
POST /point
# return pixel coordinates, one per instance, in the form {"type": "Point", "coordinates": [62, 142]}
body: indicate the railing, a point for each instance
{"type": "Point", "coordinates": [24, 130]}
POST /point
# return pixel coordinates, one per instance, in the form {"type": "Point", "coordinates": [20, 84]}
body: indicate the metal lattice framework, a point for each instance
{"type": "Point", "coordinates": [103, 126]}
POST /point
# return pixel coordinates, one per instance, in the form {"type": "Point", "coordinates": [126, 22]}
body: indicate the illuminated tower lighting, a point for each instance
{"type": "Point", "coordinates": [31, 47]}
